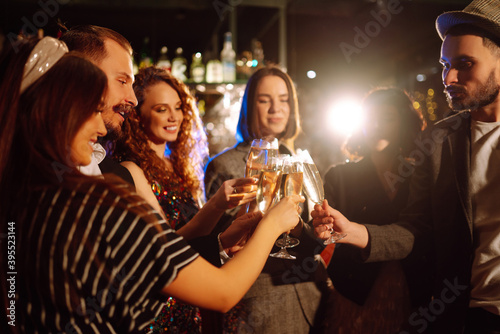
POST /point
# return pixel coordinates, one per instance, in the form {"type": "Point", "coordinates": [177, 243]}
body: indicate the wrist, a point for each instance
{"type": "Point", "coordinates": [269, 227]}
{"type": "Point", "coordinates": [214, 206]}
{"type": "Point", "coordinates": [297, 230]}
{"type": "Point", "coordinates": [222, 253]}
{"type": "Point", "coordinates": [357, 235]}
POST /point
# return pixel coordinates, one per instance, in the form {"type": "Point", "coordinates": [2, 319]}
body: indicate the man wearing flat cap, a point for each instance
{"type": "Point", "coordinates": [454, 203]}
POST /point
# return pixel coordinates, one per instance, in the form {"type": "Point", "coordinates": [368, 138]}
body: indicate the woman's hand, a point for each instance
{"type": "Point", "coordinates": [285, 214]}
{"type": "Point", "coordinates": [235, 192]}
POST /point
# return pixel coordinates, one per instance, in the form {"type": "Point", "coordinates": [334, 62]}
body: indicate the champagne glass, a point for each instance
{"type": "Point", "coordinates": [267, 187]}
{"type": "Point", "coordinates": [313, 187]}
{"type": "Point", "coordinates": [259, 156]}
{"type": "Point", "coordinates": [290, 183]}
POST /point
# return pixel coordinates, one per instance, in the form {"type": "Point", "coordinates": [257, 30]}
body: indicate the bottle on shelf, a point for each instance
{"type": "Point", "coordinates": [145, 55]}
{"type": "Point", "coordinates": [179, 65]}
{"type": "Point", "coordinates": [214, 71]}
{"type": "Point", "coordinates": [258, 54]}
{"type": "Point", "coordinates": [197, 68]}
{"type": "Point", "coordinates": [244, 65]}
{"type": "Point", "coordinates": [228, 58]}
{"type": "Point", "coordinates": [135, 67]}
{"type": "Point", "coordinates": [163, 61]}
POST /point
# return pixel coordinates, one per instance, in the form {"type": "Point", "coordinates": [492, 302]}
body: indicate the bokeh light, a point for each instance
{"type": "Point", "coordinates": [345, 116]}
{"type": "Point", "coordinates": [421, 77]}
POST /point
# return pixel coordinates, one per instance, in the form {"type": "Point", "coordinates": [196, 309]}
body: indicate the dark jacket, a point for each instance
{"type": "Point", "coordinates": [355, 190]}
{"type": "Point", "coordinates": [439, 215]}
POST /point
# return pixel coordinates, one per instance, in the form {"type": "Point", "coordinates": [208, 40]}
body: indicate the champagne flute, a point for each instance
{"type": "Point", "coordinates": [267, 187]}
{"type": "Point", "coordinates": [259, 156]}
{"type": "Point", "coordinates": [313, 187]}
{"type": "Point", "coordinates": [290, 183]}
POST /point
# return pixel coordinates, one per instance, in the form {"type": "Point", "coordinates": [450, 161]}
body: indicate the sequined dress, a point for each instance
{"type": "Point", "coordinates": [179, 207]}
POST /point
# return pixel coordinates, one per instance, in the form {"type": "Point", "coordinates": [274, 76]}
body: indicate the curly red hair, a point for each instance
{"type": "Point", "coordinates": [187, 153]}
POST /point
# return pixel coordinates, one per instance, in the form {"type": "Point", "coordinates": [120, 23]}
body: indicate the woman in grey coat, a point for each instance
{"type": "Point", "coordinates": [288, 295]}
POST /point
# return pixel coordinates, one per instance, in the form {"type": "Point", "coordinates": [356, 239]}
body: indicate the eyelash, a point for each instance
{"type": "Point", "coordinates": [265, 101]}
{"type": "Point", "coordinates": [165, 109]}
{"type": "Point", "coordinates": [459, 66]}
{"type": "Point", "coordinates": [464, 65]}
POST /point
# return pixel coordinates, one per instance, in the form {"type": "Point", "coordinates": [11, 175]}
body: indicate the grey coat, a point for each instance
{"type": "Point", "coordinates": [288, 295]}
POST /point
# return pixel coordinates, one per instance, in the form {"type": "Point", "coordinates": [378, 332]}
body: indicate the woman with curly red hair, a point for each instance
{"type": "Point", "coordinates": [164, 148]}
{"type": "Point", "coordinates": [164, 141]}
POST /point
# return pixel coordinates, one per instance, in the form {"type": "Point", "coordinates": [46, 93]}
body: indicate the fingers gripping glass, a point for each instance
{"type": "Point", "coordinates": [313, 187]}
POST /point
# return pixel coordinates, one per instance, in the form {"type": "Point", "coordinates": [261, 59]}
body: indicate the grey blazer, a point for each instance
{"type": "Point", "coordinates": [288, 295]}
{"type": "Point", "coordinates": [438, 215]}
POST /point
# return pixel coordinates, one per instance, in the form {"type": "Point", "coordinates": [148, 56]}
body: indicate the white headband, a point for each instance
{"type": "Point", "coordinates": [44, 55]}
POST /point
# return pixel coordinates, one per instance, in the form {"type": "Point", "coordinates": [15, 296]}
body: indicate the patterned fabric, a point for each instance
{"type": "Point", "coordinates": [484, 14]}
{"type": "Point", "coordinates": [93, 261]}
{"type": "Point", "coordinates": [176, 202]}
{"type": "Point", "coordinates": [179, 208]}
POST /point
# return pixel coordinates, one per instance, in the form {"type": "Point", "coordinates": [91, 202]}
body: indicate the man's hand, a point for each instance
{"type": "Point", "coordinates": [322, 220]}
{"type": "Point", "coordinates": [236, 235]}
{"type": "Point", "coordinates": [325, 218]}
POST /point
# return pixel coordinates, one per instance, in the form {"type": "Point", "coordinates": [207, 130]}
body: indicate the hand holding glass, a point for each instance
{"type": "Point", "coordinates": [313, 187]}
{"type": "Point", "coordinates": [290, 183]}
{"type": "Point", "coordinates": [261, 151]}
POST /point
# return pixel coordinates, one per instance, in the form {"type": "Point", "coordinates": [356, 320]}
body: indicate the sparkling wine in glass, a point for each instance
{"type": "Point", "coordinates": [313, 187]}
{"type": "Point", "coordinates": [267, 188]}
{"type": "Point", "coordinates": [290, 183]}
{"type": "Point", "coordinates": [259, 156]}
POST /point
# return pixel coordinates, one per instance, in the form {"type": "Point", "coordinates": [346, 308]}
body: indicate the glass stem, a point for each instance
{"type": "Point", "coordinates": [285, 240]}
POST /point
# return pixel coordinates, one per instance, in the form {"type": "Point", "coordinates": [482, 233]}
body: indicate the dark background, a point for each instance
{"type": "Point", "coordinates": [394, 54]}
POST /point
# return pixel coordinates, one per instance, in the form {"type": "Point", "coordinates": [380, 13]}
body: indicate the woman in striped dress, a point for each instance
{"type": "Point", "coordinates": [86, 255]}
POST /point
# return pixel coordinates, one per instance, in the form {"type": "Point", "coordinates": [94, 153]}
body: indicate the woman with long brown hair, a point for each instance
{"type": "Point", "coordinates": [282, 300]}
{"type": "Point", "coordinates": [371, 189]}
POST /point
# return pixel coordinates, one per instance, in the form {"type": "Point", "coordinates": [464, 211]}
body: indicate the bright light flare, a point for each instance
{"type": "Point", "coordinates": [345, 116]}
{"type": "Point", "coordinates": [311, 74]}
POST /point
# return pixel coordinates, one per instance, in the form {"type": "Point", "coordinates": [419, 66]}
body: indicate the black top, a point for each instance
{"type": "Point", "coordinates": [356, 191]}
{"type": "Point", "coordinates": [110, 166]}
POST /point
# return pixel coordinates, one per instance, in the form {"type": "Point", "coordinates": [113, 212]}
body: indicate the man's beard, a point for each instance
{"type": "Point", "coordinates": [115, 133]}
{"type": "Point", "coordinates": [483, 96]}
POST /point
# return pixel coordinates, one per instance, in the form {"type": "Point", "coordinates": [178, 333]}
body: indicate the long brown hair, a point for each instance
{"type": "Point", "coordinates": [412, 121]}
{"type": "Point", "coordinates": [44, 120]}
{"type": "Point", "coordinates": [37, 129]}
{"type": "Point", "coordinates": [248, 123]}
{"type": "Point", "coordinates": [187, 153]}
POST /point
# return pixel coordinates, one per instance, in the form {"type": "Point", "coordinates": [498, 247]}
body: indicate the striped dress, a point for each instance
{"type": "Point", "coordinates": [92, 261]}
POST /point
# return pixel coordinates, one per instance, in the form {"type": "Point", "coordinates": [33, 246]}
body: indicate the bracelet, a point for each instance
{"type": "Point", "coordinates": [222, 253]}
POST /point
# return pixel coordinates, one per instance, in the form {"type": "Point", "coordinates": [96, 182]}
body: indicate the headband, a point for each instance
{"type": "Point", "coordinates": [44, 55]}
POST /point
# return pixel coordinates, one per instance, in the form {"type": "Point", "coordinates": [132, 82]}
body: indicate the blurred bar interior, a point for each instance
{"type": "Point", "coordinates": [334, 50]}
